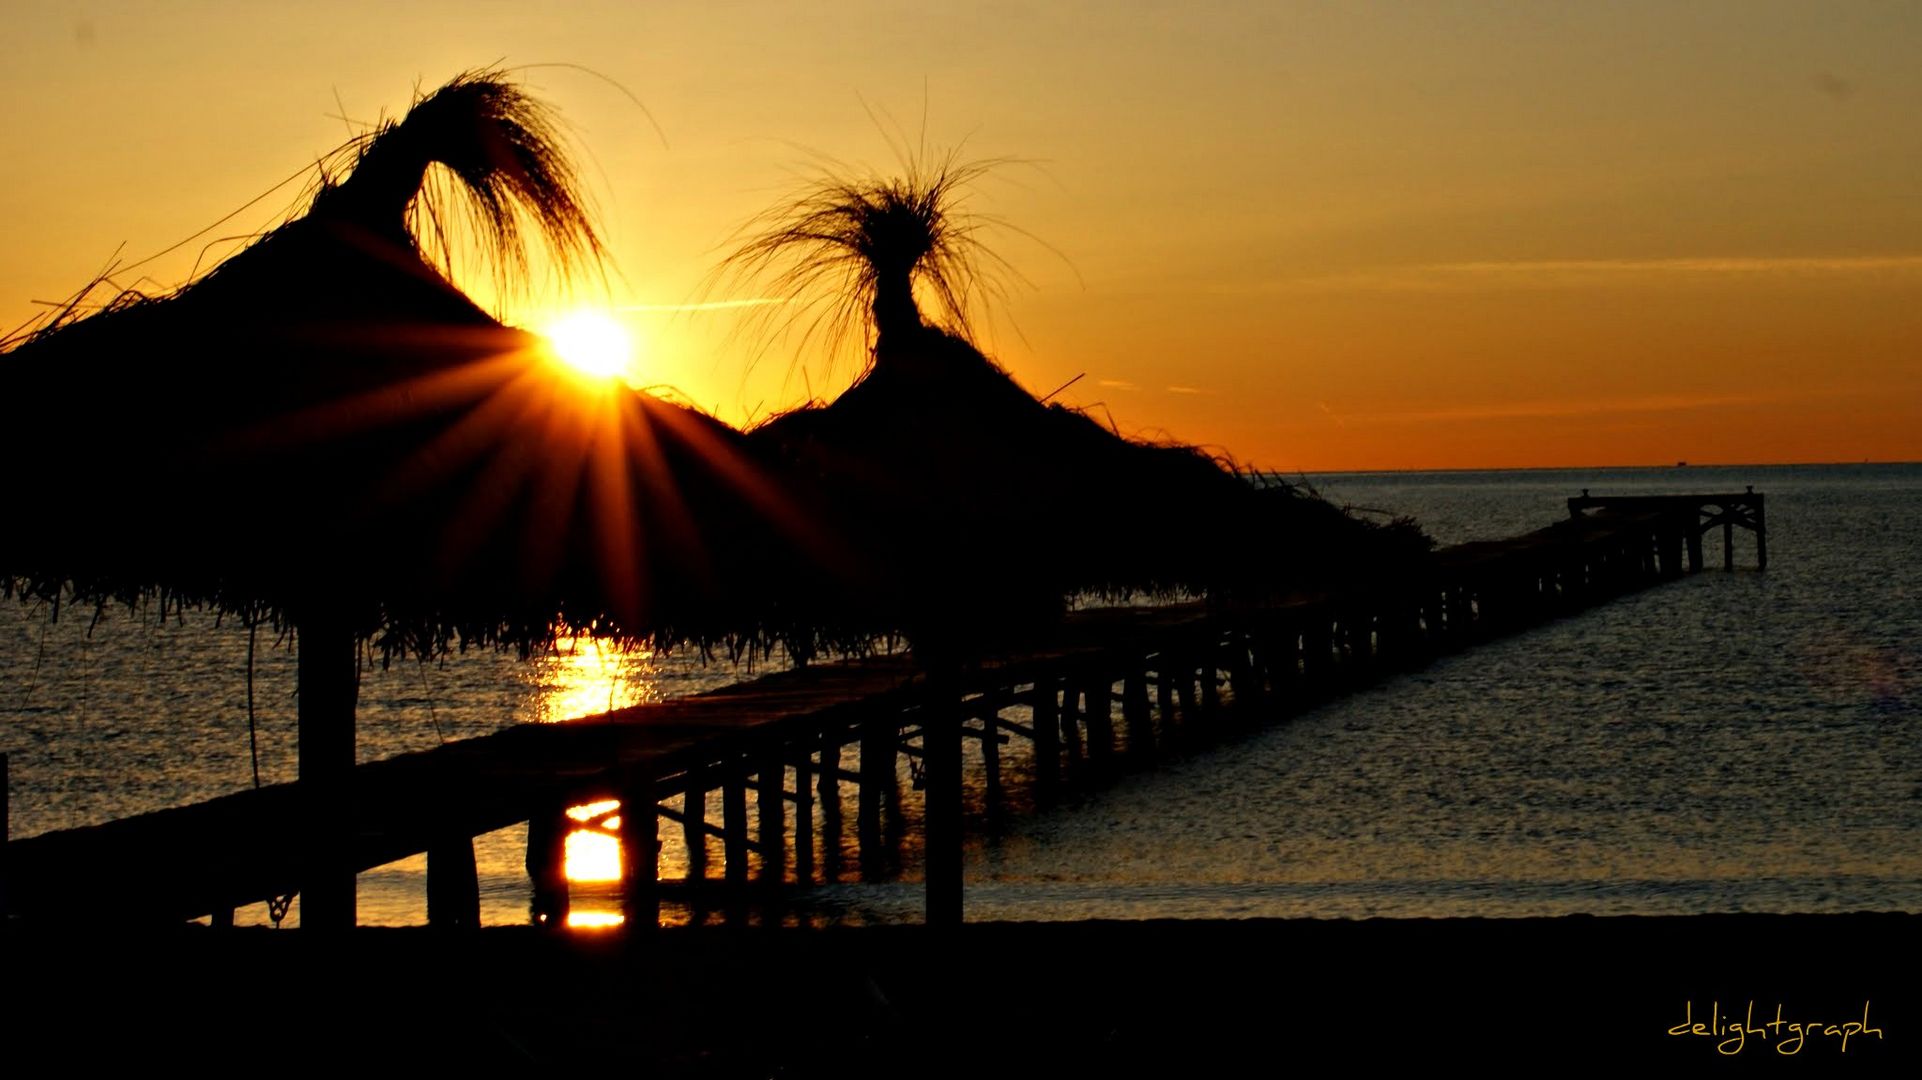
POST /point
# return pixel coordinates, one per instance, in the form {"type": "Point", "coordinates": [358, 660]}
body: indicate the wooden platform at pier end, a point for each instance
{"type": "Point", "coordinates": [1162, 672]}
{"type": "Point", "coordinates": [1694, 515]}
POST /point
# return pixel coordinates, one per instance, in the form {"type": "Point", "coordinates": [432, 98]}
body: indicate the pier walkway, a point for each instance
{"type": "Point", "coordinates": [1117, 688]}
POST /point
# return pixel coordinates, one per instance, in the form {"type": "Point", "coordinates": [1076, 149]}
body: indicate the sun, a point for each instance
{"type": "Point", "coordinates": [591, 342]}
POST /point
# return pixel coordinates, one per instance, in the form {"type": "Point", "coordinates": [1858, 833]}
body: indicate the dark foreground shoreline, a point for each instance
{"type": "Point", "coordinates": [1059, 999]}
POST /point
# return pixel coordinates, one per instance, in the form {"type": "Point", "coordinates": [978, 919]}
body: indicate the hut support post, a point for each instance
{"type": "Point", "coordinates": [941, 750]}
{"type": "Point", "coordinates": [329, 679]}
{"type": "Point", "coordinates": [640, 852]}
{"type": "Point", "coordinates": [453, 884]}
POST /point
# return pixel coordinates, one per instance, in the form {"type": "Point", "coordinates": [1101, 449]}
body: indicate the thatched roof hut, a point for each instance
{"type": "Point", "coordinates": [324, 431]}
{"type": "Point", "coordinates": [324, 420]}
{"type": "Point", "coordinates": [972, 498]}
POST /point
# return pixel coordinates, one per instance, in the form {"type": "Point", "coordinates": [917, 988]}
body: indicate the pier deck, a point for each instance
{"type": "Point", "coordinates": [782, 737]}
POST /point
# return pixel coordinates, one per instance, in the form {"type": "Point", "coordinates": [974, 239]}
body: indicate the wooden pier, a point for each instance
{"type": "Point", "coordinates": [1686, 518]}
{"type": "Point", "coordinates": [1119, 688]}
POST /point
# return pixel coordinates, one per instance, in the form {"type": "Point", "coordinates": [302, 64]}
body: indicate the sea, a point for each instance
{"type": "Point", "coordinates": [1741, 741]}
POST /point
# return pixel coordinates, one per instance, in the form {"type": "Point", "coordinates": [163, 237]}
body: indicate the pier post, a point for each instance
{"type": "Point", "coordinates": [1210, 677]}
{"type": "Point", "coordinates": [1694, 547]}
{"type": "Point", "coordinates": [1134, 710]}
{"type": "Point", "coordinates": [1413, 646]}
{"type": "Point", "coordinates": [1241, 684]}
{"type": "Point", "coordinates": [1071, 722]}
{"type": "Point", "coordinates": [1284, 665]}
{"type": "Point", "coordinates": [1461, 617]}
{"type": "Point", "coordinates": [1728, 541]}
{"type": "Point", "coordinates": [1317, 653]}
{"type": "Point", "coordinates": [1261, 662]}
{"type": "Point", "coordinates": [1571, 577]}
{"type": "Point", "coordinates": [1047, 736]}
{"type": "Point", "coordinates": [991, 745]}
{"type": "Point", "coordinates": [734, 820]}
{"type": "Point", "coordinates": [830, 793]}
{"type": "Point", "coordinates": [1098, 699]}
{"type": "Point", "coordinates": [640, 852]}
{"type": "Point", "coordinates": [804, 817]}
{"type": "Point", "coordinates": [694, 822]}
{"type": "Point", "coordinates": [547, 866]}
{"type": "Point", "coordinates": [770, 797]}
{"type": "Point", "coordinates": [1180, 670]}
{"type": "Point", "coordinates": [327, 663]}
{"type": "Point", "coordinates": [941, 754]}
{"type": "Point", "coordinates": [1761, 532]}
{"type": "Point", "coordinates": [878, 735]}
{"type": "Point", "coordinates": [1386, 637]}
{"type": "Point", "coordinates": [453, 884]}
{"type": "Point", "coordinates": [1672, 547]}
{"type": "Point", "coordinates": [1623, 566]}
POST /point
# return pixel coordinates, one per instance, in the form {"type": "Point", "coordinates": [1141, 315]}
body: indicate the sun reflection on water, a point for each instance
{"type": "Point", "coordinates": [587, 812]}
{"type": "Point", "coordinates": [594, 920]}
{"type": "Point", "coordinates": [587, 675]}
{"type": "Point", "coordinates": [593, 855]}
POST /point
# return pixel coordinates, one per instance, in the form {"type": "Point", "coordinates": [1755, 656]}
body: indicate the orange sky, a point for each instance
{"type": "Point", "coordinates": [1322, 236]}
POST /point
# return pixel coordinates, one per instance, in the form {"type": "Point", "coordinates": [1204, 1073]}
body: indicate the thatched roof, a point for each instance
{"type": "Point", "coordinates": [324, 420]}
{"type": "Point", "coordinates": [977, 502]}
{"type": "Point", "coordinates": [977, 507]}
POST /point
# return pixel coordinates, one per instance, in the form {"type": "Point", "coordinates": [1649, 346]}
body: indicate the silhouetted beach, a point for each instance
{"type": "Point", "coordinates": [1063, 999]}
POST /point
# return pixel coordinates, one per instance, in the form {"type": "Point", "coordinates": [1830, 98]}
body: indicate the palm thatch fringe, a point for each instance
{"type": "Point", "coordinates": [506, 152]}
{"type": "Point", "coordinates": [855, 257]}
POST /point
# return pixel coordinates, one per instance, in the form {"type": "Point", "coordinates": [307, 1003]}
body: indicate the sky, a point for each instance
{"type": "Point", "coordinates": [1318, 236]}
